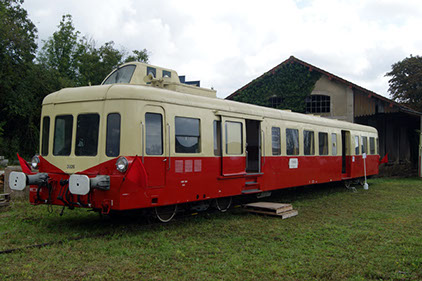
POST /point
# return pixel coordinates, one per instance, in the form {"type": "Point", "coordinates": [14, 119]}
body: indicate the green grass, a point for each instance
{"type": "Point", "coordinates": [338, 234]}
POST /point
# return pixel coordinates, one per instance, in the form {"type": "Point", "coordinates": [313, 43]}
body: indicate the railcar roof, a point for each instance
{"type": "Point", "coordinates": [219, 106]}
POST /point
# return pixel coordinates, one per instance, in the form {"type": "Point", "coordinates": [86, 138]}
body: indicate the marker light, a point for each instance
{"type": "Point", "coordinates": [122, 164]}
{"type": "Point", "coordinates": [35, 162]}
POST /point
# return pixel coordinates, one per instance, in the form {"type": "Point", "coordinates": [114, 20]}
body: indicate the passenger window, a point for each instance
{"type": "Point", "coordinates": [166, 73]}
{"type": "Point", "coordinates": [308, 142]}
{"type": "Point", "coordinates": [292, 142]}
{"type": "Point", "coordinates": [154, 134]}
{"type": "Point", "coordinates": [372, 145]}
{"type": "Point", "coordinates": [121, 75]}
{"type": "Point", "coordinates": [275, 136]}
{"type": "Point", "coordinates": [63, 135]}
{"type": "Point", "coordinates": [217, 138]}
{"type": "Point", "coordinates": [187, 135]}
{"type": "Point", "coordinates": [364, 145]}
{"type": "Point", "coordinates": [45, 135]}
{"type": "Point", "coordinates": [378, 146]}
{"type": "Point", "coordinates": [87, 134]}
{"type": "Point", "coordinates": [113, 135]}
{"type": "Point", "coordinates": [356, 145]}
{"type": "Point", "coordinates": [323, 143]}
{"type": "Point", "coordinates": [334, 144]}
{"type": "Point", "coordinates": [234, 138]}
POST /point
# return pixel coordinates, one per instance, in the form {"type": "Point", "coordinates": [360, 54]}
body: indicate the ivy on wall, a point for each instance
{"type": "Point", "coordinates": [291, 82]}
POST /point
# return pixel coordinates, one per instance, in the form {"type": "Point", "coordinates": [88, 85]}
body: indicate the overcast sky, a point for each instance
{"type": "Point", "coordinates": [226, 43]}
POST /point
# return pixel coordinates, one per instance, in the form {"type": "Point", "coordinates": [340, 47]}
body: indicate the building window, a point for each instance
{"type": "Point", "coordinates": [275, 101]}
{"type": "Point", "coordinates": [308, 143]}
{"type": "Point", "coordinates": [317, 104]}
{"type": "Point", "coordinates": [323, 143]}
{"type": "Point", "coordinates": [292, 142]}
{"type": "Point", "coordinates": [275, 136]}
{"type": "Point", "coordinates": [187, 135]}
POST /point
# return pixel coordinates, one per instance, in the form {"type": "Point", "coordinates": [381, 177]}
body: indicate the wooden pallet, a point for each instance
{"type": "Point", "coordinates": [4, 199]}
{"type": "Point", "coordinates": [273, 209]}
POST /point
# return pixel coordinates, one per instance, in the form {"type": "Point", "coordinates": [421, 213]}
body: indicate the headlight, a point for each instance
{"type": "Point", "coordinates": [35, 162]}
{"type": "Point", "coordinates": [121, 164]}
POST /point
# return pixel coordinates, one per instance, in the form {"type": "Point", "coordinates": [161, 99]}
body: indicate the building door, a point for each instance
{"type": "Point", "coordinates": [155, 151]}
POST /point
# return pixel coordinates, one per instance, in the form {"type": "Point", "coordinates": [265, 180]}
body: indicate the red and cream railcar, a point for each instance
{"type": "Point", "coordinates": [144, 140]}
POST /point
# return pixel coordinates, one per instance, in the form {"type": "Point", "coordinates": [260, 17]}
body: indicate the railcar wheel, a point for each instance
{"type": "Point", "coordinates": [165, 213]}
{"type": "Point", "coordinates": [223, 204]}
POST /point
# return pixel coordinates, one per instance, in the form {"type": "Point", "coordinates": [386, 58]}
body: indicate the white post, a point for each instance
{"type": "Point", "coordinates": [365, 185]}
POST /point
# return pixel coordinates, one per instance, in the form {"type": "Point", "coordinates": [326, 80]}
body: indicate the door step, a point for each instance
{"type": "Point", "coordinates": [274, 209]}
{"type": "Point", "coordinates": [250, 191]}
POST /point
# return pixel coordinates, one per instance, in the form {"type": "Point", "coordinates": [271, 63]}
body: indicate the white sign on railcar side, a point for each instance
{"type": "Point", "coordinates": [293, 163]}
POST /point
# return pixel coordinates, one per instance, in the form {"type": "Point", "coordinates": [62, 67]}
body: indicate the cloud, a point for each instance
{"type": "Point", "coordinates": [226, 44]}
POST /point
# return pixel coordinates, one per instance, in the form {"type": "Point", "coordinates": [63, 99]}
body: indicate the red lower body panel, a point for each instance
{"type": "Point", "coordinates": [182, 179]}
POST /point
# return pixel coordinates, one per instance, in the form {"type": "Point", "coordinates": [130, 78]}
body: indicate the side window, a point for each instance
{"type": "Point", "coordinates": [378, 146]}
{"type": "Point", "coordinates": [153, 134]}
{"type": "Point", "coordinates": [334, 144]}
{"type": "Point", "coordinates": [308, 143]}
{"type": "Point", "coordinates": [187, 135]}
{"type": "Point", "coordinates": [364, 145]}
{"type": "Point", "coordinates": [113, 135]}
{"type": "Point", "coordinates": [234, 138]}
{"type": "Point", "coordinates": [323, 143]}
{"type": "Point", "coordinates": [63, 135]}
{"type": "Point", "coordinates": [292, 142]}
{"type": "Point", "coordinates": [217, 137]}
{"type": "Point", "coordinates": [372, 145]}
{"type": "Point", "coordinates": [87, 126]}
{"type": "Point", "coordinates": [275, 136]}
{"type": "Point", "coordinates": [356, 145]}
{"type": "Point", "coordinates": [166, 73]}
{"type": "Point", "coordinates": [45, 135]}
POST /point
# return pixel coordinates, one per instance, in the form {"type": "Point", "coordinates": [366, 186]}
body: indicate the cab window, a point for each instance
{"type": "Point", "coordinates": [154, 133]}
{"type": "Point", "coordinates": [113, 135]}
{"type": "Point", "coordinates": [62, 135]}
{"type": "Point", "coordinates": [86, 143]}
{"type": "Point", "coordinates": [45, 135]}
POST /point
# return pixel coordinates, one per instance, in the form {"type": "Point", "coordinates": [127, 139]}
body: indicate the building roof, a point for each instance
{"type": "Point", "coordinates": [332, 77]}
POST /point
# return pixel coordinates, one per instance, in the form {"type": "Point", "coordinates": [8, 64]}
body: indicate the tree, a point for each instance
{"type": "Point", "coordinates": [60, 50]}
{"type": "Point", "coordinates": [406, 82]}
{"type": "Point", "coordinates": [17, 52]}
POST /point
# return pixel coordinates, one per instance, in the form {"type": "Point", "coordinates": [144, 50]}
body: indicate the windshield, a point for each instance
{"type": "Point", "coordinates": [121, 75]}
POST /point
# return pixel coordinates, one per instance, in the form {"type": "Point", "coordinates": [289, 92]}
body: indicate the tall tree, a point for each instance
{"type": "Point", "coordinates": [406, 82]}
{"type": "Point", "coordinates": [17, 51]}
{"type": "Point", "coordinates": [59, 51]}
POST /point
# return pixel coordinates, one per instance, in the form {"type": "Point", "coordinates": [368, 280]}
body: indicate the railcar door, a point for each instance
{"type": "Point", "coordinates": [154, 150]}
{"type": "Point", "coordinates": [233, 144]}
{"type": "Point", "coordinates": [345, 153]}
